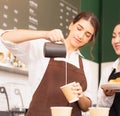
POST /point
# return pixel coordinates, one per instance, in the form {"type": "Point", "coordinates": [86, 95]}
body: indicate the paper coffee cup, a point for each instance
{"type": "Point", "coordinates": [99, 111]}
{"type": "Point", "coordinates": [61, 111]}
{"type": "Point", "coordinates": [67, 91]}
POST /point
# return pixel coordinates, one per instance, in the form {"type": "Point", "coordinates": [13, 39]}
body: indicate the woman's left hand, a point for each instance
{"type": "Point", "coordinates": [108, 92]}
{"type": "Point", "coordinates": [77, 89]}
{"type": "Point", "coordinates": [84, 102]}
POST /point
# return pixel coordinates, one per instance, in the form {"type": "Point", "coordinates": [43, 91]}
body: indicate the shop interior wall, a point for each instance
{"type": "Point", "coordinates": [110, 17]}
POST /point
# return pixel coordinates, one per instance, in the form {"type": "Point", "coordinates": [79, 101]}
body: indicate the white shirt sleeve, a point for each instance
{"type": "Point", "coordinates": [102, 99]}
{"type": "Point", "coordinates": [25, 51]}
{"type": "Point", "coordinates": [21, 51]}
{"type": "Point", "coordinates": [31, 54]}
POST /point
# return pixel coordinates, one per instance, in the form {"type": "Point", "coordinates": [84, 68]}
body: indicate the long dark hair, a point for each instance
{"type": "Point", "coordinates": [89, 16]}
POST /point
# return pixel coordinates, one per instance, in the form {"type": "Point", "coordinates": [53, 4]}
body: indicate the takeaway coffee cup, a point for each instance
{"type": "Point", "coordinates": [99, 111]}
{"type": "Point", "coordinates": [61, 111]}
{"type": "Point", "coordinates": [67, 91]}
{"type": "Point", "coordinates": [54, 50]}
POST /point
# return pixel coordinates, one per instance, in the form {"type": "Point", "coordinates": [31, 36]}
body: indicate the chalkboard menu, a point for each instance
{"type": "Point", "coordinates": [37, 14]}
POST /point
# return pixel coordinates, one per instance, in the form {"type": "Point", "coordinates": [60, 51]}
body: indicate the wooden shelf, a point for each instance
{"type": "Point", "coordinates": [13, 69]}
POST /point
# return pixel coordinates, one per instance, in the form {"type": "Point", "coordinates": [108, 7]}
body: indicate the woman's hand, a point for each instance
{"type": "Point", "coordinates": [108, 92]}
{"type": "Point", "coordinates": [84, 102]}
{"type": "Point", "coordinates": [55, 35]}
{"type": "Point", "coordinates": [77, 89]}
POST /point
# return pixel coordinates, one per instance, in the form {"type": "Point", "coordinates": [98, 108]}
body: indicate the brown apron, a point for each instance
{"type": "Point", "coordinates": [48, 92]}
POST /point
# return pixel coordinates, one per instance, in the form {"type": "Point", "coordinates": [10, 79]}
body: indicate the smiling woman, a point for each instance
{"type": "Point", "coordinates": [110, 95]}
{"type": "Point", "coordinates": [116, 39]}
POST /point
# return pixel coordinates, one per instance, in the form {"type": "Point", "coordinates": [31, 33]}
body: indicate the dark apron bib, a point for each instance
{"type": "Point", "coordinates": [115, 108]}
{"type": "Point", "coordinates": [48, 92]}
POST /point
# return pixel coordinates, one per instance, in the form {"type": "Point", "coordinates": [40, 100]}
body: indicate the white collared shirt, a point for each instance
{"type": "Point", "coordinates": [103, 100]}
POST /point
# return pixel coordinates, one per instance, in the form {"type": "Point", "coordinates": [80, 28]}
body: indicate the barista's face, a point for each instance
{"type": "Point", "coordinates": [116, 39]}
{"type": "Point", "coordinates": [80, 33]}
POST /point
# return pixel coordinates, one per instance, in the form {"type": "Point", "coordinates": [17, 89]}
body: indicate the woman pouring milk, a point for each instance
{"type": "Point", "coordinates": [47, 75]}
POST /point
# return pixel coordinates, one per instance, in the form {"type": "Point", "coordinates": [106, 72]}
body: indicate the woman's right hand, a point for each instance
{"type": "Point", "coordinates": [55, 35]}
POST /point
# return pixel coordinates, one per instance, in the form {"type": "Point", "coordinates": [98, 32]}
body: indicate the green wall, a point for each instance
{"type": "Point", "coordinates": [110, 16]}
{"type": "Point", "coordinates": [93, 6]}
{"type": "Point", "coordinates": [108, 12]}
